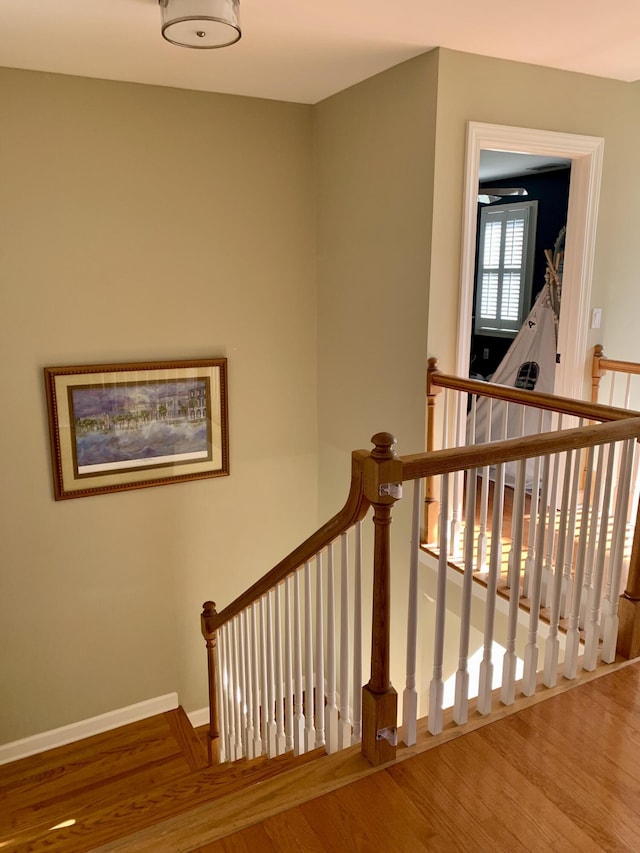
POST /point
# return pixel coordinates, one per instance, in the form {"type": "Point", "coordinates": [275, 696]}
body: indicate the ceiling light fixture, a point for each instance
{"type": "Point", "coordinates": [201, 24]}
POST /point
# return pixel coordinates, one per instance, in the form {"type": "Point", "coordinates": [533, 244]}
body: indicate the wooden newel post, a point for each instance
{"type": "Point", "coordinates": [628, 644]}
{"type": "Point", "coordinates": [382, 487]}
{"type": "Point", "coordinates": [431, 504]}
{"type": "Point", "coordinates": [596, 371]}
{"type": "Point", "coordinates": [207, 624]}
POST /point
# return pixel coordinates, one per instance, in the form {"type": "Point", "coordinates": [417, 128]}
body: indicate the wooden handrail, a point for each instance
{"type": "Point", "coordinates": [419, 465]}
{"type": "Point", "coordinates": [353, 511]}
{"type": "Point", "coordinates": [549, 402]}
{"type": "Point", "coordinates": [614, 365]}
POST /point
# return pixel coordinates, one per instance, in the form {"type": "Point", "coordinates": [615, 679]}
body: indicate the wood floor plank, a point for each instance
{"type": "Point", "coordinates": [559, 775]}
{"type": "Point", "coordinates": [373, 814]}
{"type": "Point", "coordinates": [571, 787]}
{"type": "Point", "coordinates": [193, 749]}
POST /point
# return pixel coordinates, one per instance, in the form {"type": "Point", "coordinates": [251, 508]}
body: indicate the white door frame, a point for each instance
{"type": "Point", "coordinates": [586, 154]}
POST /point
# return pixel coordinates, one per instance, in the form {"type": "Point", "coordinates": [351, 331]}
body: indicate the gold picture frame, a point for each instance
{"type": "Point", "coordinates": [115, 427]}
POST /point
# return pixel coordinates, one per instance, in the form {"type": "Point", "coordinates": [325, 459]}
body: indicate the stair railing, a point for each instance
{"type": "Point", "coordinates": [281, 680]}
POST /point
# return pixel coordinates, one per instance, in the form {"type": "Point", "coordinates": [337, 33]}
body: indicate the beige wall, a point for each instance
{"type": "Point", "coordinates": [374, 150]}
{"type": "Point", "coordinates": [143, 223]}
{"type": "Point", "coordinates": [121, 241]}
{"type": "Point", "coordinates": [476, 88]}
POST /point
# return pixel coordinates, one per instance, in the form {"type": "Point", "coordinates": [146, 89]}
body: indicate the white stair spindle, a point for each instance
{"type": "Point", "coordinates": [319, 654]}
{"type": "Point", "coordinates": [495, 557]}
{"type": "Point", "coordinates": [587, 593]}
{"type": "Point", "coordinates": [484, 500]}
{"type": "Point", "coordinates": [279, 675]}
{"type": "Point", "coordinates": [552, 645]}
{"type": "Point", "coordinates": [510, 660]}
{"type": "Point", "coordinates": [344, 727]}
{"type": "Point", "coordinates": [256, 687]}
{"type": "Point", "coordinates": [248, 669]}
{"type": "Point", "coordinates": [552, 517]}
{"type": "Point", "coordinates": [498, 493]}
{"type": "Point", "coordinates": [531, 649]}
{"type": "Point", "coordinates": [288, 667]}
{"type": "Point", "coordinates": [572, 647]}
{"type": "Point", "coordinates": [331, 710]}
{"type": "Point", "coordinates": [436, 688]}
{"type": "Point", "coordinates": [513, 576]}
{"type": "Point", "coordinates": [222, 687]}
{"type": "Point", "coordinates": [268, 677]}
{"type": "Point", "coordinates": [298, 716]}
{"type": "Point", "coordinates": [356, 735]}
{"type": "Point", "coordinates": [309, 728]}
{"type": "Point", "coordinates": [410, 693]}
{"type": "Point", "coordinates": [454, 538]}
{"type": "Point", "coordinates": [610, 617]}
{"type": "Point", "coordinates": [592, 628]}
{"type": "Point", "coordinates": [569, 550]}
{"type": "Point", "coordinates": [533, 518]}
{"type": "Point", "coordinates": [231, 694]}
{"type": "Point", "coordinates": [242, 682]}
{"type": "Point", "coordinates": [461, 702]}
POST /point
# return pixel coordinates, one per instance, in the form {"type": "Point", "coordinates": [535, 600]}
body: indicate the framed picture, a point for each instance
{"type": "Point", "coordinates": [129, 426]}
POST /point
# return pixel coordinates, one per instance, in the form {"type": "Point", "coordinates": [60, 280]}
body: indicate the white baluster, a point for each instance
{"type": "Point", "coordinates": [222, 686]}
{"type": "Point", "coordinates": [242, 673]}
{"type": "Point", "coordinates": [319, 655]}
{"type": "Point", "coordinates": [610, 617]}
{"type": "Point", "coordinates": [552, 646]}
{"type": "Point", "coordinates": [572, 647]}
{"type": "Point", "coordinates": [238, 699]}
{"type": "Point", "coordinates": [231, 692]}
{"type": "Point", "coordinates": [531, 649]}
{"type": "Point", "coordinates": [281, 741]}
{"type": "Point", "coordinates": [309, 729]}
{"type": "Point", "coordinates": [410, 693]}
{"type": "Point", "coordinates": [495, 558]}
{"type": "Point", "coordinates": [510, 660]}
{"type": "Point", "coordinates": [268, 676]}
{"type": "Point", "coordinates": [344, 727]}
{"type": "Point", "coordinates": [484, 500]}
{"type": "Point", "coordinates": [255, 676]}
{"type": "Point", "coordinates": [248, 670]}
{"type": "Point", "coordinates": [513, 576]}
{"type": "Point", "coordinates": [461, 703]}
{"type": "Point", "coordinates": [569, 550]}
{"type": "Point", "coordinates": [533, 518]}
{"type": "Point", "coordinates": [298, 718]}
{"type": "Point", "coordinates": [288, 667]}
{"type": "Point", "coordinates": [356, 735]}
{"type": "Point", "coordinates": [436, 688]}
{"type": "Point", "coordinates": [454, 538]}
{"type": "Point", "coordinates": [587, 594]}
{"type": "Point", "coordinates": [547, 572]}
{"type": "Point", "coordinates": [592, 630]}
{"type": "Point", "coordinates": [331, 710]}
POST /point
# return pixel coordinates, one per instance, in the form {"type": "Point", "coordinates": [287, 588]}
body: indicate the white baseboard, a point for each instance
{"type": "Point", "coordinates": [85, 728]}
{"type": "Point", "coordinates": [199, 717]}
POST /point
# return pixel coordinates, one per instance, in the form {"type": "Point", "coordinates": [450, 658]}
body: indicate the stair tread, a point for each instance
{"type": "Point", "coordinates": [106, 809]}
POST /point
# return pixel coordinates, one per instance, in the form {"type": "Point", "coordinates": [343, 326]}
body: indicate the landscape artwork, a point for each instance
{"type": "Point", "coordinates": [116, 427]}
{"type": "Point", "coordinates": [125, 426]}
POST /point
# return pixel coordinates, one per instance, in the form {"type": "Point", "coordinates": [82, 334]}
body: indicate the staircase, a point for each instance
{"type": "Point", "coordinates": [100, 791]}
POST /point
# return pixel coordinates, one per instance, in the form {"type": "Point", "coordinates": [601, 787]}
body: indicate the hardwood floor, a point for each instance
{"type": "Point", "coordinates": [561, 774]}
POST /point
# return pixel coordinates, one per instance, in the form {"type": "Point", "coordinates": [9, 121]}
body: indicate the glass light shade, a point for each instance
{"type": "Point", "coordinates": [201, 24]}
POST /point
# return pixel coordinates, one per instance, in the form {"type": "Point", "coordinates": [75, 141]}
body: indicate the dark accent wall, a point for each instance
{"type": "Point", "coordinates": [551, 190]}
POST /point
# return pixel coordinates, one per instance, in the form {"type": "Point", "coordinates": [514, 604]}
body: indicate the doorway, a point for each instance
{"type": "Point", "coordinates": [585, 156]}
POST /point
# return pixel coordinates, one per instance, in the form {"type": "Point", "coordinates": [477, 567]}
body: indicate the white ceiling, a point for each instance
{"type": "Point", "coordinates": [306, 50]}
